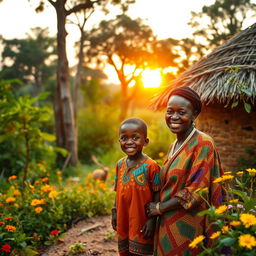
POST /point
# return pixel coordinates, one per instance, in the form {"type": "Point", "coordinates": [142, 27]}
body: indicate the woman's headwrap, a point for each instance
{"type": "Point", "coordinates": [189, 94]}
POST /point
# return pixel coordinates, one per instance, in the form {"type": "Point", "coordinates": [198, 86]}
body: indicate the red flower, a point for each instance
{"type": "Point", "coordinates": [6, 248]}
{"type": "Point", "coordinates": [1, 223]}
{"type": "Point", "coordinates": [54, 232]}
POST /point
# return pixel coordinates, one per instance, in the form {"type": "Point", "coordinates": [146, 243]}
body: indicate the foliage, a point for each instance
{"type": "Point", "coordinates": [224, 18]}
{"type": "Point", "coordinates": [234, 221]}
{"type": "Point", "coordinates": [75, 249]}
{"type": "Point", "coordinates": [242, 87]}
{"type": "Point", "coordinates": [45, 211]}
{"type": "Point", "coordinates": [21, 126]}
{"type": "Point", "coordinates": [28, 59]}
{"type": "Point", "coordinates": [100, 133]}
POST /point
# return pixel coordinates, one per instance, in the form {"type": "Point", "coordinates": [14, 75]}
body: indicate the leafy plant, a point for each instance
{"type": "Point", "coordinates": [235, 220]}
{"type": "Point", "coordinates": [75, 249]}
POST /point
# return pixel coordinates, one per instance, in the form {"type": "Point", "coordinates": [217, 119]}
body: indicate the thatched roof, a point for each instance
{"type": "Point", "coordinates": [222, 74]}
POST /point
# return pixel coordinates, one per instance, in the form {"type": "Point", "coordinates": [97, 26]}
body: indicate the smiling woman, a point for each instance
{"type": "Point", "coordinates": [151, 78]}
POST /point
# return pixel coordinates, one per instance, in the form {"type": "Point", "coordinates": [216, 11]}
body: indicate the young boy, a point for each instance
{"type": "Point", "coordinates": [137, 183]}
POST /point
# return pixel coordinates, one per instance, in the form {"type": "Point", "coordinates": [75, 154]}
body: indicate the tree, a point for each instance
{"type": "Point", "coordinates": [30, 59]}
{"type": "Point", "coordinates": [64, 111]}
{"type": "Point", "coordinates": [224, 17]}
{"type": "Point", "coordinates": [122, 42]}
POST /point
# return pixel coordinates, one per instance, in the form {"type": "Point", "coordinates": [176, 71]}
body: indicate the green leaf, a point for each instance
{"type": "Point", "coordinates": [241, 194]}
{"type": "Point", "coordinates": [247, 92]}
{"type": "Point", "coordinates": [234, 104]}
{"type": "Point", "coordinates": [247, 107]}
{"type": "Point", "coordinates": [27, 251]}
{"type": "Point", "coordinates": [62, 151]}
{"type": "Point", "coordinates": [48, 136]}
{"type": "Point", "coordinates": [228, 241]}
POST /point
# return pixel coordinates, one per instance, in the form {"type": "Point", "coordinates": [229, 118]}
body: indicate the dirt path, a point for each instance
{"type": "Point", "coordinates": [96, 233]}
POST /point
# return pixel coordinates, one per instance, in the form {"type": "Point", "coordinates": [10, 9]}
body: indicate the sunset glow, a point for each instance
{"type": "Point", "coordinates": [151, 78]}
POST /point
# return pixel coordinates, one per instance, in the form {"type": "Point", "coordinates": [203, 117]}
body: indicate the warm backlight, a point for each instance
{"type": "Point", "coordinates": [151, 78]}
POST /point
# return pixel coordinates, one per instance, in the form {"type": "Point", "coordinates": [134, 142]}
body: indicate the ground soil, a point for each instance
{"type": "Point", "coordinates": [95, 233]}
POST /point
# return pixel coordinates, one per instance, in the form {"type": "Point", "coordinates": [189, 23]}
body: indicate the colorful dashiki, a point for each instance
{"type": "Point", "coordinates": [134, 189]}
{"type": "Point", "coordinates": [194, 166]}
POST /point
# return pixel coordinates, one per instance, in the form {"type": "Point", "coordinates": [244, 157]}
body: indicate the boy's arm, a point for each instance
{"type": "Point", "coordinates": [114, 217]}
{"type": "Point", "coordinates": [149, 228]}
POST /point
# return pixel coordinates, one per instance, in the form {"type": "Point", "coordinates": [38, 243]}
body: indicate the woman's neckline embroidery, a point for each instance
{"type": "Point", "coordinates": [172, 153]}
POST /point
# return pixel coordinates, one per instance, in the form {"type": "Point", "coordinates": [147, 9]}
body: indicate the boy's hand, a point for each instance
{"type": "Point", "coordinates": [114, 219]}
{"type": "Point", "coordinates": [149, 228]}
{"type": "Point", "coordinates": [151, 209]}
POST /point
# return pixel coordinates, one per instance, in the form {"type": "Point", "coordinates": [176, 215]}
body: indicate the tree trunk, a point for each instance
{"type": "Point", "coordinates": [64, 114]}
{"type": "Point", "coordinates": [78, 73]}
{"type": "Point", "coordinates": [124, 101]}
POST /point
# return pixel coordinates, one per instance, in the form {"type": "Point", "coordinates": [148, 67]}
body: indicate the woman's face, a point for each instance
{"type": "Point", "coordinates": [179, 115]}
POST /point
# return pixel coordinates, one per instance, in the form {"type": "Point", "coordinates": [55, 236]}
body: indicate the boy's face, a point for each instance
{"type": "Point", "coordinates": [132, 139]}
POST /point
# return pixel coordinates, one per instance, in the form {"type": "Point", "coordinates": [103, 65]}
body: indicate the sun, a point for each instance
{"type": "Point", "coordinates": [151, 78]}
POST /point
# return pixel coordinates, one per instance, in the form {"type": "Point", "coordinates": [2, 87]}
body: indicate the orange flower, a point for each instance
{"type": "Point", "coordinates": [59, 172]}
{"type": "Point", "coordinates": [45, 179]}
{"type": "Point", "coordinates": [9, 200]}
{"type": "Point", "coordinates": [38, 209]}
{"type": "Point", "coordinates": [13, 177]}
{"type": "Point", "coordinates": [16, 192]}
{"type": "Point", "coordinates": [161, 154]}
{"type": "Point", "coordinates": [37, 202]}
{"type": "Point", "coordinates": [8, 218]}
{"type": "Point", "coordinates": [10, 228]}
{"type": "Point", "coordinates": [1, 205]}
{"type": "Point", "coordinates": [235, 223]}
{"type": "Point", "coordinates": [46, 188]}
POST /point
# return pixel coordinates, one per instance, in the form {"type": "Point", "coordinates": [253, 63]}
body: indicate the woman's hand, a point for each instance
{"type": "Point", "coordinates": [151, 209]}
{"type": "Point", "coordinates": [149, 228]}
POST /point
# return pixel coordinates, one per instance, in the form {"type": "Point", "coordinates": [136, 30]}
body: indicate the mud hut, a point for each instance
{"type": "Point", "coordinates": [226, 83]}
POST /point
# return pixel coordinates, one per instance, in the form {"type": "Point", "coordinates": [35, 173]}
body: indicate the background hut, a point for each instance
{"type": "Point", "coordinates": [226, 83]}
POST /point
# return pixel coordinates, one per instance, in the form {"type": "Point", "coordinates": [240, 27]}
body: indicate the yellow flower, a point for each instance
{"type": "Point", "coordinates": [233, 201]}
{"type": "Point", "coordinates": [16, 192]}
{"type": "Point", "coordinates": [225, 229]}
{"type": "Point", "coordinates": [251, 170]}
{"type": "Point", "coordinates": [240, 173]}
{"type": "Point", "coordinates": [227, 173]}
{"type": "Point", "coordinates": [248, 219]}
{"type": "Point", "coordinates": [235, 223]}
{"type": "Point", "coordinates": [46, 188]}
{"type": "Point", "coordinates": [221, 209]}
{"type": "Point", "coordinates": [227, 177]}
{"type": "Point", "coordinates": [196, 241]}
{"type": "Point", "coordinates": [161, 154]}
{"type": "Point", "coordinates": [217, 180]}
{"type": "Point", "coordinates": [13, 177]}
{"type": "Point", "coordinates": [38, 209]}
{"type": "Point", "coordinates": [53, 194]}
{"type": "Point", "coordinates": [10, 228]}
{"type": "Point", "coordinates": [247, 240]}
{"type": "Point", "coordinates": [9, 200]}
{"type": "Point", "coordinates": [215, 235]}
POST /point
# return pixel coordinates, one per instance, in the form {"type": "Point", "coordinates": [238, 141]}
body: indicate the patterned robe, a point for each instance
{"type": "Point", "coordinates": [134, 189]}
{"type": "Point", "coordinates": [195, 166]}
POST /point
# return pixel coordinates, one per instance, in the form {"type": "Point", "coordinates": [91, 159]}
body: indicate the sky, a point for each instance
{"type": "Point", "coordinates": [167, 18]}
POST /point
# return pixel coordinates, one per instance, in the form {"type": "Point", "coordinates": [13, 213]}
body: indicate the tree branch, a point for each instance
{"type": "Point", "coordinates": [80, 7]}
